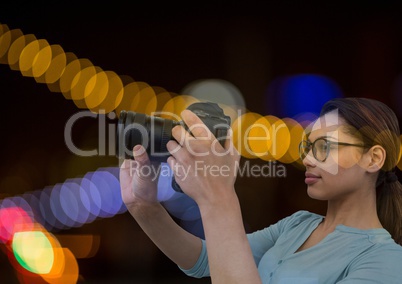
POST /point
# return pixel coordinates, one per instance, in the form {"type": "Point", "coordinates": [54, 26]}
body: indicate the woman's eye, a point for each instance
{"type": "Point", "coordinates": [323, 146]}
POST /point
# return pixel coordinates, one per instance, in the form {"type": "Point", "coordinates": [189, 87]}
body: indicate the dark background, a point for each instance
{"type": "Point", "coordinates": [170, 45]}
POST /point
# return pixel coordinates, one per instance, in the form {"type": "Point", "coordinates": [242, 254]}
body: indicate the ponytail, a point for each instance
{"type": "Point", "coordinates": [389, 204]}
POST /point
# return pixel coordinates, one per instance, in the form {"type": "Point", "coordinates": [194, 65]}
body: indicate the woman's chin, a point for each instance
{"type": "Point", "coordinates": [315, 194]}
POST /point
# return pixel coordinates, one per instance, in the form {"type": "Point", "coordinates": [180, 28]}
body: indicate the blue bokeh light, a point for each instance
{"type": "Point", "coordinates": [90, 196]}
{"type": "Point", "coordinates": [79, 201]}
{"type": "Point", "coordinates": [293, 96]}
{"type": "Point", "coordinates": [71, 202]}
{"type": "Point", "coordinates": [165, 189]}
{"type": "Point", "coordinates": [56, 198]}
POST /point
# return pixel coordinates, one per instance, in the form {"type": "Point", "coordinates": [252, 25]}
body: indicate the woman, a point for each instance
{"type": "Point", "coordinates": [350, 155]}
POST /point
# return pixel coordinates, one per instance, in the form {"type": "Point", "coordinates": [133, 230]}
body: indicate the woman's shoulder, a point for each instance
{"type": "Point", "coordinates": [385, 256]}
{"type": "Point", "coordinates": [387, 248]}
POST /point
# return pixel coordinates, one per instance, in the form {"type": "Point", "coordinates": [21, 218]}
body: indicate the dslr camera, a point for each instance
{"type": "Point", "coordinates": [154, 132]}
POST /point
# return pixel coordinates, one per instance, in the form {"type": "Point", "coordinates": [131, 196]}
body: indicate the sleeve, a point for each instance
{"type": "Point", "coordinates": [261, 241]}
{"type": "Point", "coordinates": [201, 267]}
{"type": "Point", "coordinates": [382, 267]}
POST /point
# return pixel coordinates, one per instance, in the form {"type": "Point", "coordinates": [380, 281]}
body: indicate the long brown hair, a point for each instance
{"type": "Point", "coordinates": [377, 124]}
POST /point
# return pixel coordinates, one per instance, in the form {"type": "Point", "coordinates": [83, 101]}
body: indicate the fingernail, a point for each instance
{"type": "Point", "coordinates": [138, 150]}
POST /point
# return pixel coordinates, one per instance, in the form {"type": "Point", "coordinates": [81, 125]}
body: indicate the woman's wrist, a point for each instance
{"type": "Point", "coordinates": [223, 201]}
{"type": "Point", "coordinates": [142, 207]}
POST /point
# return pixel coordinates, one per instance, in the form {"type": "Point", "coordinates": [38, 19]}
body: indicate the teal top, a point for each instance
{"type": "Point", "coordinates": [347, 255]}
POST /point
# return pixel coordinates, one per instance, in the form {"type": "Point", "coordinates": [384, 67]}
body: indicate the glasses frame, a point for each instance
{"type": "Point", "coordinates": [311, 147]}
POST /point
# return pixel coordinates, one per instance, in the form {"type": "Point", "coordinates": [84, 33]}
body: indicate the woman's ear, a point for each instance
{"type": "Point", "coordinates": [376, 158]}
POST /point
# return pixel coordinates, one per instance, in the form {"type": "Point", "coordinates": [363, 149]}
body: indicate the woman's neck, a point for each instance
{"type": "Point", "coordinates": [358, 210]}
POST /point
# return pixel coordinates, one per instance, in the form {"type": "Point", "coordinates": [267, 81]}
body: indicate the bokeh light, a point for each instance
{"type": "Point", "coordinates": [36, 254]}
{"type": "Point", "coordinates": [165, 189]}
{"type": "Point", "coordinates": [33, 251]}
{"type": "Point", "coordinates": [15, 50]}
{"type": "Point", "coordinates": [13, 219]}
{"type": "Point", "coordinates": [174, 107]}
{"type": "Point", "coordinates": [35, 58]}
{"type": "Point", "coordinates": [291, 96]}
{"type": "Point", "coordinates": [298, 97]}
{"type": "Point", "coordinates": [73, 203]}
{"type": "Point", "coordinates": [296, 132]}
{"type": "Point", "coordinates": [70, 201]}
{"type": "Point", "coordinates": [56, 66]}
{"type": "Point", "coordinates": [242, 126]}
{"type": "Point", "coordinates": [219, 91]}
{"type": "Point", "coordinates": [259, 137]}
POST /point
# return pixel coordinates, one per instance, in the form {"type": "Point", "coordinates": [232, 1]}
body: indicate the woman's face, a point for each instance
{"type": "Point", "coordinates": [340, 174]}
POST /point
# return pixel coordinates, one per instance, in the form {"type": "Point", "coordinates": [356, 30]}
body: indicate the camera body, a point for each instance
{"type": "Point", "coordinates": [154, 132]}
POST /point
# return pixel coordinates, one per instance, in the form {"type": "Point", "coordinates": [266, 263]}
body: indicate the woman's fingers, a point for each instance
{"type": "Point", "coordinates": [140, 155]}
{"type": "Point", "coordinates": [196, 126]}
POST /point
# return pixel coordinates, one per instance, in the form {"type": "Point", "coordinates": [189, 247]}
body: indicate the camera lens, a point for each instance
{"type": "Point", "coordinates": [151, 132]}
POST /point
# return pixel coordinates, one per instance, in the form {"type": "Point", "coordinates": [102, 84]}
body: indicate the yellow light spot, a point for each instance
{"type": "Point", "coordinates": [79, 84]}
{"type": "Point", "coordinates": [61, 61]}
{"type": "Point", "coordinates": [71, 70]}
{"type": "Point", "coordinates": [174, 107]}
{"type": "Point", "coordinates": [280, 138]}
{"type": "Point", "coordinates": [16, 52]}
{"type": "Point", "coordinates": [59, 258]}
{"type": "Point", "coordinates": [6, 39]}
{"type": "Point", "coordinates": [142, 97]}
{"type": "Point", "coordinates": [128, 103]}
{"type": "Point", "coordinates": [114, 94]}
{"type": "Point", "coordinates": [161, 98]}
{"type": "Point", "coordinates": [42, 61]}
{"type": "Point", "coordinates": [30, 56]}
{"type": "Point", "coordinates": [241, 127]}
{"type": "Point", "coordinates": [33, 251]}
{"type": "Point", "coordinates": [296, 135]}
{"type": "Point", "coordinates": [152, 104]}
{"type": "Point", "coordinates": [259, 137]}
{"type": "Point", "coordinates": [56, 66]}
{"type": "Point", "coordinates": [96, 90]}
{"type": "Point", "coordinates": [67, 270]}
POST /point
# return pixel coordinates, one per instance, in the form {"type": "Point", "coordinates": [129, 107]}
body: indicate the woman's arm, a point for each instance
{"type": "Point", "coordinates": [206, 171]}
{"type": "Point", "coordinates": [139, 194]}
{"type": "Point", "coordinates": [229, 252]}
{"type": "Point", "coordinates": [180, 246]}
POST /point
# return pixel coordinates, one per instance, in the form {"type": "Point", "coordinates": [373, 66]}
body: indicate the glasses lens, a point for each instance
{"type": "Point", "coordinates": [304, 148]}
{"type": "Point", "coordinates": [320, 149]}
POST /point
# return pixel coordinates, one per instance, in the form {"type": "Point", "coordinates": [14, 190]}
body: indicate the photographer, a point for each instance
{"type": "Point", "coordinates": [350, 156]}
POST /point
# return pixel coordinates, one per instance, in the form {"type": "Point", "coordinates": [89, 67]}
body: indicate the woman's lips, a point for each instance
{"type": "Point", "coordinates": [311, 178]}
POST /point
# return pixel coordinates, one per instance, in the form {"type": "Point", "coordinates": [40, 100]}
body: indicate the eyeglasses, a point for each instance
{"type": "Point", "coordinates": [321, 148]}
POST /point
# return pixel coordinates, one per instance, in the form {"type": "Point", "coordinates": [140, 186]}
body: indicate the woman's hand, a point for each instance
{"type": "Point", "coordinates": [139, 179]}
{"type": "Point", "coordinates": [204, 169]}
{"type": "Point", "coordinates": [138, 182]}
